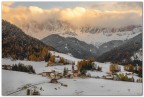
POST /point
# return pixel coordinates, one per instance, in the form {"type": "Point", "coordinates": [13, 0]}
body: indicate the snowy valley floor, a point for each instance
{"type": "Point", "coordinates": [13, 82]}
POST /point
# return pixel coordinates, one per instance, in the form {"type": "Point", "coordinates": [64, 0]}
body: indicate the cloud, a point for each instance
{"type": "Point", "coordinates": [97, 15]}
{"type": "Point", "coordinates": [7, 3]}
{"type": "Point", "coordinates": [35, 10]}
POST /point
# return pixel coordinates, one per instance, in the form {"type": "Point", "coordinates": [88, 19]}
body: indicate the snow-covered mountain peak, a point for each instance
{"type": "Point", "coordinates": [86, 33]}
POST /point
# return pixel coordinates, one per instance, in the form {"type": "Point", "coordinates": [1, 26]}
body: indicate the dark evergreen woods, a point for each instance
{"type": "Point", "coordinates": [23, 68]}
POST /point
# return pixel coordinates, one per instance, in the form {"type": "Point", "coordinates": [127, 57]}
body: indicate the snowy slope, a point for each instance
{"type": "Point", "coordinates": [105, 70]}
{"type": "Point", "coordinates": [38, 66]}
{"type": "Point", "coordinates": [77, 86]}
{"type": "Point", "coordinates": [66, 56]}
{"type": "Point", "coordinates": [41, 66]}
{"type": "Point", "coordinates": [12, 80]}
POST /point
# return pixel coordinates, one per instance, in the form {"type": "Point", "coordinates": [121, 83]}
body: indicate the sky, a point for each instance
{"type": "Point", "coordinates": [104, 14]}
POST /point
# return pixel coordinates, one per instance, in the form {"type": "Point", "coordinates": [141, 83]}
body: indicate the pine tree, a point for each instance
{"type": "Point", "coordinates": [72, 67]}
{"type": "Point", "coordinates": [65, 71]}
{"type": "Point", "coordinates": [125, 78]}
{"type": "Point", "coordinates": [16, 67]}
{"type": "Point", "coordinates": [61, 60]}
{"type": "Point", "coordinates": [47, 57]}
{"type": "Point", "coordinates": [83, 71]}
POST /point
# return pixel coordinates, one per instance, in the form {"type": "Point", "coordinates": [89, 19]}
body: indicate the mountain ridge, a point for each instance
{"type": "Point", "coordinates": [123, 53]}
{"type": "Point", "coordinates": [71, 45]}
{"type": "Point", "coordinates": [65, 44]}
{"type": "Point", "coordinates": [65, 29]}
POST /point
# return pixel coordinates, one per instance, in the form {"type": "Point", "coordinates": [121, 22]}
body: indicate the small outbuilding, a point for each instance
{"type": "Point", "coordinates": [75, 73]}
{"type": "Point", "coordinates": [46, 74]}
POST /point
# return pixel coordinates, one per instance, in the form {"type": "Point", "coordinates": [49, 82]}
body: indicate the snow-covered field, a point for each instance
{"type": "Point", "coordinates": [13, 81]}
{"type": "Point", "coordinates": [38, 66]}
{"type": "Point", "coordinates": [42, 66]}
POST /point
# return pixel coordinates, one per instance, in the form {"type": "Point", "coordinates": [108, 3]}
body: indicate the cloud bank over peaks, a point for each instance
{"type": "Point", "coordinates": [77, 16]}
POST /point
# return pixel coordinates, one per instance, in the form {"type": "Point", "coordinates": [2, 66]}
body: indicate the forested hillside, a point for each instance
{"type": "Point", "coordinates": [123, 53]}
{"type": "Point", "coordinates": [17, 45]}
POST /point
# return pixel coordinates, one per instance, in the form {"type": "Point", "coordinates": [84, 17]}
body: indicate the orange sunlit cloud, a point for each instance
{"type": "Point", "coordinates": [76, 16]}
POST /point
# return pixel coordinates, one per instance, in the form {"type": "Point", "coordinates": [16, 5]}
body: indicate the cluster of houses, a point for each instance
{"type": "Point", "coordinates": [52, 74]}
{"type": "Point", "coordinates": [115, 74]}
{"type": "Point", "coordinates": [112, 75]}
{"type": "Point", "coordinates": [57, 75]}
{"type": "Point", "coordinates": [72, 74]}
